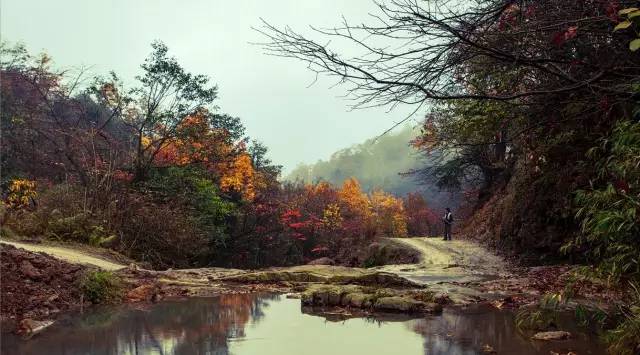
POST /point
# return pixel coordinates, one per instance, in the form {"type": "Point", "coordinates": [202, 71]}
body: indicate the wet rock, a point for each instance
{"type": "Point", "coordinates": [29, 327]}
{"type": "Point", "coordinates": [276, 276]}
{"type": "Point", "coordinates": [325, 295]}
{"type": "Point", "coordinates": [363, 297]}
{"type": "Point", "coordinates": [378, 279]}
{"type": "Point", "coordinates": [322, 261]}
{"type": "Point", "coordinates": [488, 349]}
{"type": "Point", "coordinates": [553, 335]}
{"type": "Point", "coordinates": [328, 295]}
{"type": "Point", "coordinates": [325, 274]}
{"type": "Point", "coordinates": [357, 300]}
{"type": "Point", "coordinates": [145, 293]}
{"type": "Point", "coordinates": [405, 304]}
{"type": "Point", "coordinates": [441, 298]}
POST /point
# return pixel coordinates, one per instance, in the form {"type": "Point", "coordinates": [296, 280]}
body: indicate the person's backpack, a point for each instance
{"type": "Point", "coordinates": [449, 217]}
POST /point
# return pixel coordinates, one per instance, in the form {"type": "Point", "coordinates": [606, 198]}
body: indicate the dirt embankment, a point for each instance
{"type": "Point", "coordinates": [37, 286]}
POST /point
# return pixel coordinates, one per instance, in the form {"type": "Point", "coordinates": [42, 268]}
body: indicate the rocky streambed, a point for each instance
{"type": "Point", "coordinates": [448, 275]}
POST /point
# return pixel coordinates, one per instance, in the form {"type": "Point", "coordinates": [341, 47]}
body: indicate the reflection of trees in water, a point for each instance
{"type": "Point", "coordinates": [195, 326]}
{"type": "Point", "coordinates": [198, 326]}
{"type": "Point", "coordinates": [465, 333]}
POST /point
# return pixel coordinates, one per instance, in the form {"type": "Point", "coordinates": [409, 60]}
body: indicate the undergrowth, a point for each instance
{"type": "Point", "coordinates": [101, 287]}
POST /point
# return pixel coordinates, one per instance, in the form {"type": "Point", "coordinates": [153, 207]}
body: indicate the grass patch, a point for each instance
{"type": "Point", "coordinates": [101, 287]}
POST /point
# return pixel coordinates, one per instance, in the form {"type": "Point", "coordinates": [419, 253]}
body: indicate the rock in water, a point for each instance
{"type": "Point", "coordinates": [29, 327]}
{"type": "Point", "coordinates": [145, 293]}
{"type": "Point", "coordinates": [488, 349]}
{"type": "Point", "coordinates": [555, 335]}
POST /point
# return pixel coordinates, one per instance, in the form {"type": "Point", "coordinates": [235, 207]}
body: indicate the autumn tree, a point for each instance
{"type": "Point", "coordinates": [155, 110]}
{"type": "Point", "coordinates": [421, 220]}
{"type": "Point", "coordinates": [354, 200]}
{"type": "Point", "coordinates": [389, 214]}
{"type": "Point", "coordinates": [50, 129]}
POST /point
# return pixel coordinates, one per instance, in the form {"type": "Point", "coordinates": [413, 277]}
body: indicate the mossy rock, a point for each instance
{"type": "Point", "coordinates": [377, 279]}
{"type": "Point", "coordinates": [405, 304]}
{"type": "Point", "coordinates": [357, 300]}
{"type": "Point", "coordinates": [328, 295]}
{"type": "Point", "coordinates": [325, 274]}
{"type": "Point", "coordinates": [276, 276]}
{"type": "Point", "coordinates": [362, 297]}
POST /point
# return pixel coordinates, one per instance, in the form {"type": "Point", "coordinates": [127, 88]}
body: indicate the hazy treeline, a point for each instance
{"type": "Point", "coordinates": [379, 163]}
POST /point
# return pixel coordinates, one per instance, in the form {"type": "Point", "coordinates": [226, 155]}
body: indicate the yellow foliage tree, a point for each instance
{"type": "Point", "coordinates": [389, 214]}
{"type": "Point", "coordinates": [21, 193]}
{"type": "Point", "coordinates": [353, 199]}
{"type": "Point", "coordinates": [239, 177]}
{"type": "Point", "coordinates": [331, 217]}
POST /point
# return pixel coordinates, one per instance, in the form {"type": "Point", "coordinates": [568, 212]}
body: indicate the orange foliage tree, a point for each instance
{"type": "Point", "coordinates": [389, 214]}
{"type": "Point", "coordinates": [239, 177]}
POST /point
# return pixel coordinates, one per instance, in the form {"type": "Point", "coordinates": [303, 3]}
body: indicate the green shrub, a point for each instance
{"type": "Point", "coordinates": [608, 211]}
{"type": "Point", "coordinates": [61, 214]}
{"type": "Point", "coordinates": [624, 339]}
{"type": "Point", "coordinates": [542, 316]}
{"type": "Point", "coordinates": [377, 257]}
{"type": "Point", "coordinates": [200, 197]}
{"type": "Point", "coordinates": [101, 287]}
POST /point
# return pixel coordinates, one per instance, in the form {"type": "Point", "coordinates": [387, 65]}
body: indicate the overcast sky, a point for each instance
{"type": "Point", "coordinates": [298, 123]}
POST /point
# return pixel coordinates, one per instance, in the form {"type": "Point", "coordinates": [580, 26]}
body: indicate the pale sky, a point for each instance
{"type": "Point", "coordinates": [271, 94]}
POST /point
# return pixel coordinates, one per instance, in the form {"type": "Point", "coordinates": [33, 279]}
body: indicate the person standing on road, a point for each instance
{"type": "Point", "coordinates": [448, 221]}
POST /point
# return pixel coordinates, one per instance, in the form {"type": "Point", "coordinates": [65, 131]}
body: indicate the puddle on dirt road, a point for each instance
{"type": "Point", "coordinates": [275, 325]}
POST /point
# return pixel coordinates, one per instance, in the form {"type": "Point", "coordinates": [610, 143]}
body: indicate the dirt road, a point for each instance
{"type": "Point", "coordinates": [68, 254]}
{"type": "Point", "coordinates": [436, 252]}
{"type": "Point", "coordinates": [450, 266]}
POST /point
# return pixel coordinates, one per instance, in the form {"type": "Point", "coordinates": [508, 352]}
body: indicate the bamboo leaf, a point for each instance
{"type": "Point", "coordinates": [627, 10]}
{"type": "Point", "coordinates": [622, 25]}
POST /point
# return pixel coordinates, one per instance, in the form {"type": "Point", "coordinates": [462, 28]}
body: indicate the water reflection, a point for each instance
{"type": "Point", "coordinates": [271, 324]}
{"type": "Point", "coordinates": [196, 326]}
{"type": "Point", "coordinates": [468, 331]}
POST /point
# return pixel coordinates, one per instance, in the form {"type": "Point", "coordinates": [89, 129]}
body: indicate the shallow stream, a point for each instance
{"type": "Point", "coordinates": [275, 325]}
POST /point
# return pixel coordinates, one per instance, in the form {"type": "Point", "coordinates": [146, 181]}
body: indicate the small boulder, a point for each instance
{"type": "Point", "coordinates": [488, 349]}
{"type": "Point", "coordinates": [322, 261]}
{"type": "Point", "coordinates": [357, 300]}
{"type": "Point", "coordinates": [553, 335]}
{"type": "Point", "coordinates": [29, 327]}
{"type": "Point", "coordinates": [145, 293]}
{"type": "Point", "coordinates": [398, 304]}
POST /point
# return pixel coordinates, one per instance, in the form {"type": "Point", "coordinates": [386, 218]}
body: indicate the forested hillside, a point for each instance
{"type": "Point", "coordinates": [385, 162]}
{"type": "Point", "coordinates": [155, 171]}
